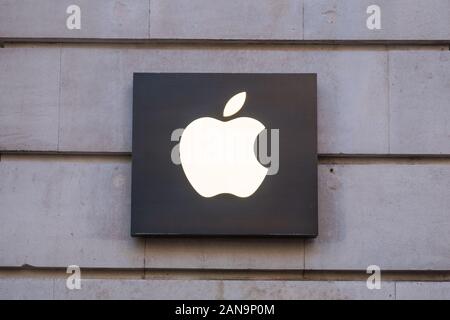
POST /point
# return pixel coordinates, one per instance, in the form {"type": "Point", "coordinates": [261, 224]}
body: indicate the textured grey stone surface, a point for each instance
{"type": "Point", "coordinates": [96, 100]}
{"type": "Point", "coordinates": [140, 289]}
{"type": "Point", "coordinates": [395, 216]}
{"type": "Point", "coordinates": [96, 106]}
{"type": "Point", "coordinates": [224, 253]}
{"type": "Point", "coordinates": [75, 210]}
{"type": "Point", "coordinates": [100, 19]}
{"type": "Point", "coordinates": [420, 101]}
{"type": "Point", "coordinates": [32, 288]}
{"type": "Point", "coordinates": [249, 20]}
{"type": "Point", "coordinates": [58, 211]}
{"type": "Point", "coordinates": [400, 20]}
{"type": "Point", "coordinates": [29, 89]}
{"type": "Point", "coordinates": [26, 289]}
{"type": "Point", "coordinates": [212, 289]}
{"type": "Point", "coordinates": [232, 19]}
{"type": "Point", "coordinates": [423, 290]}
{"type": "Point", "coordinates": [306, 290]}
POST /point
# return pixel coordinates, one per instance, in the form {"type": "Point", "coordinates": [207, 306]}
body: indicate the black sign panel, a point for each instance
{"type": "Point", "coordinates": [224, 155]}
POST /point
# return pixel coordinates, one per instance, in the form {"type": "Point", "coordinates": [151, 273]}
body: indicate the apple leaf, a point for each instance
{"type": "Point", "coordinates": [234, 104]}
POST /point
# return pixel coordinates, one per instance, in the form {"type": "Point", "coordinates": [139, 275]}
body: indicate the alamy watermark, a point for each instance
{"type": "Point", "coordinates": [374, 280]}
{"type": "Point", "coordinates": [73, 282]}
{"type": "Point", "coordinates": [230, 151]}
{"type": "Point", "coordinates": [73, 21]}
{"type": "Point", "coordinates": [373, 22]}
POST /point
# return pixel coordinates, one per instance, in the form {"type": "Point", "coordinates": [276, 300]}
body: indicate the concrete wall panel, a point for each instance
{"type": "Point", "coordinates": [357, 105]}
{"type": "Point", "coordinates": [273, 254]}
{"type": "Point", "coordinates": [31, 288]}
{"type": "Point", "coordinates": [29, 97]}
{"type": "Point", "coordinates": [419, 102]}
{"type": "Point", "coordinates": [383, 214]}
{"type": "Point", "coordinates": [400, 20]}
{"type": "Point", "coordinates": [396, 216]}
{"type": "Point", "coordinates": [26, 289]}
{"type": "Point", "coordinates": [59, 211]}
{"type": "Point", "coordinates": [100, 19]}
{"type": "Point", "coordinates": [212, 289]}
{"type": "Point", "coordinates": [96, 106]}
{"type": "Point", "coordinates": [423, 290]}
{"type": "Point", "coordinates": [233, 19]}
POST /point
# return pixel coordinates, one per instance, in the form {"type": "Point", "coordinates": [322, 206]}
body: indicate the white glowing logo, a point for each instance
{"type": "Point", "coordinates": [218, 157]}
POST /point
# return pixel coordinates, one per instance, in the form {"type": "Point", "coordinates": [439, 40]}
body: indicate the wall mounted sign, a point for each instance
{"type": "Point", "coordinates": [224, 155]}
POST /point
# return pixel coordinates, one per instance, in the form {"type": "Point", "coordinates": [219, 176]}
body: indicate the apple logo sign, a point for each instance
{"type": "Point", "coordinates": [218, 157]}
{"type": "Point", "coordinates": [224, 155]}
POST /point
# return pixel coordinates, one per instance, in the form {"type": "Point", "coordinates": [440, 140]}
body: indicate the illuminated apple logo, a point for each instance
{"type": "Point", "coordinates": [218, 157]}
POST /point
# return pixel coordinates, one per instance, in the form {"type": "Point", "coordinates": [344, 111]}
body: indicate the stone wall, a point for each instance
{"type": "Point", "coordinates": [383, 140]}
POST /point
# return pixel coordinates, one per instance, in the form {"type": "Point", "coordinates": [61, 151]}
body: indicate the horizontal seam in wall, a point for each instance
{"type": "Point", "coordinates": [6, 40]}
{"type": "Point", "coordinates": [325, 159]}
{"type": "Point", "coordinates": [224, 274]}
